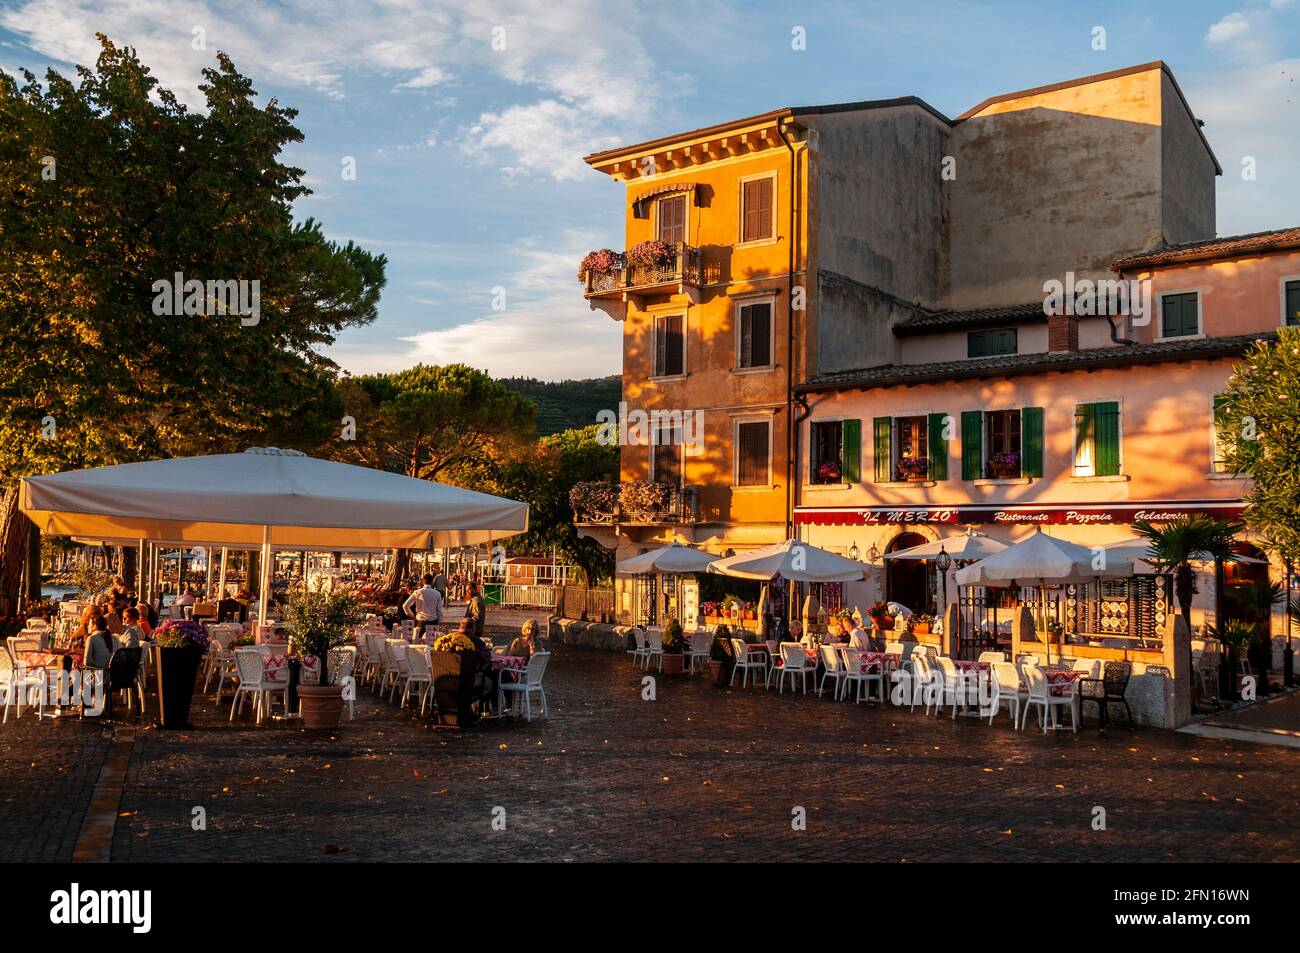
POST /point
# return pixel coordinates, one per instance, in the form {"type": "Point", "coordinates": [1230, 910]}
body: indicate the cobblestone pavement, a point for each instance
{"type": "Point", "coordinates": [698, 774]}
{"type": "Point", "coordinates": [1280, 714]}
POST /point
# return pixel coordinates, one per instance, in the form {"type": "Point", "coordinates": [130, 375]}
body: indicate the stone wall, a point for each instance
{"type": "Point", "coordinates": [590, 635]}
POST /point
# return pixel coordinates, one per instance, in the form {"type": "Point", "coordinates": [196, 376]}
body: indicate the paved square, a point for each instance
{"type": "Point", "coordinates": [699, 774]}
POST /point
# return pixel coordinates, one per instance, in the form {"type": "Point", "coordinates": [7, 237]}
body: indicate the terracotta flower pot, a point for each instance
{"type": "Point", "coordinates": [672, 663]}
{"type": "Point", "coordinates": [715, 669]}
{"type": "Point", "coordinates": [322, 705]}
{"type": "Point", "coordinates": [921, 628]}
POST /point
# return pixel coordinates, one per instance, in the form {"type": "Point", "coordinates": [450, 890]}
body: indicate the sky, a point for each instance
{"type": "Point", "coordinates": [466, 120]}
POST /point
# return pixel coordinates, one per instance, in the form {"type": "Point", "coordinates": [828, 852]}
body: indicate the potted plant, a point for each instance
{"type": "Point", "coordinates": [321, 621]}
{"type": "Point", "coordinates": [879, 614]}
{"type": "Point", "coordinates": [181, 644]}
{"type": "Point", "coordinates": [829, 472]}
{"type": "Point", "coordinates": [913, 469]}
{"type": "Point", "coordinates": [720, 656]}
{"type": "Point", "coordinates": [653, 254]}
{"type": "Point", "coordinates": [599, 263]}
{"type": "Point", "coordinates": [1004, 466]}
{"type": "Point", "coordinates": [1236, 637]}
{"type": "Point", "coordinates": [921, 624]}
{"type": "Point", "coordinates": [674, 643]}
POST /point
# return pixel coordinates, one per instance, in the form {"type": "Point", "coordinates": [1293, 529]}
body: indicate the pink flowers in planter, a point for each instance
{"type": "Point", "coordinates": [651, 254]}
{"type": "Point", "coordinates": [602, 261]}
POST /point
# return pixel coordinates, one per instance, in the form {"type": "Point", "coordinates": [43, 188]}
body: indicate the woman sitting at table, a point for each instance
{"type": "Point", "coordinates": [100, 644]}
{"type": "Point", "coordinates": [525, 643]}
{"type": "Point", "coordinates": [84, 627]}
{"type": "Point", "coordinates": [148, 618]}
{"type": "Point", "coordinates": [131, 631]}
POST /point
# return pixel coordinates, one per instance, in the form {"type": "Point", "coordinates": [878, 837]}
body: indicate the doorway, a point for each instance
{"type": "Point", "coordinates": [907, 581]}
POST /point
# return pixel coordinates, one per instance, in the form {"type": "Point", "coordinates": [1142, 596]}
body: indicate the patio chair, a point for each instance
{"type": "Point", "coordinates": [893, 648]}
{"type": "Point", "coordinates": [1024, 660]}
{"type": "Point", "coordinates": [418, 676]}
{"type": "Point", "coordinates": [19, 685]}
{"type": "Point", "coordinates": [654, 649]}
{"type": "Point", "coordinates": [253, 680]}
{"type": "Point", "coordinates": [1006, 688]}
{"type": "Point", "coordinates": [745, 662]}
{"type": "Point", "coordinates": [1114, 686]}
{"type": "Point", "coordinates": [642, 648]}
{"type": "Point", "coordinates": [701, 643]}
{"type": "Point", "coordinates": [794, 661]}
{"type": "Point", "coordinates": [400, 671]}
{"type": "Point", "coordinates": [1047, 698]}
{"type": "Point", "coordinates": [956, 689]}
{"type": "Point", "coordinates": [993, 657]}
{"type": "Point", "coordinates": [124, 675]}
{"type": "Point", "coordinates": [524, 688]}
{"type": "Point", "coordinates": [915, 675]}
{"type": "Point", "coordinates": [832, 668]}
{"type": "Point", "coordinates": [343, 662]}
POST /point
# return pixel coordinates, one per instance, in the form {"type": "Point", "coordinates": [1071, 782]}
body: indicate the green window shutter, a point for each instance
{"type": "Point", "coordinates": [1031, 441]}
{"type": "Point", "coordinates": [972, 444]}
{"type": "Point", "coordinates": [1107, 414]}
{"type": "Point", "coordinates": [852, 463]}
{"type": "Point", "coordinates": [882, 430]}
{"type": "Point", "coordinates": [938, 448]}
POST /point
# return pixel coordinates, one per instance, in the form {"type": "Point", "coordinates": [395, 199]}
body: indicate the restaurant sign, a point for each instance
{"type": "Point", "coordinates": [1053, 515]}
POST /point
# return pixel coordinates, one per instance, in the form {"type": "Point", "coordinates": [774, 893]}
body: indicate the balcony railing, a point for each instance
{"type": "Point", "coordinates": [637, 501]}
{"type": "Point", "coordinates": [685, 270]}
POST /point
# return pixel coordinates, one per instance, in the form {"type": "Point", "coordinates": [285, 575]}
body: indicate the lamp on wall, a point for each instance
{"type": "Point", "coordinates": [873, 554]}
{"type": "Point", "coordinates": [853, 551]}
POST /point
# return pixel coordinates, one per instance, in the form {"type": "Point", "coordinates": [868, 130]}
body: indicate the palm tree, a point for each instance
{"type": "Point", "coordinates": [1175, 545]}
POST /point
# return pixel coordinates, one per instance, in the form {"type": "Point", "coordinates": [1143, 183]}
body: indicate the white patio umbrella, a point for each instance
{"type": "Point", "coordinates": [970, 545]}
{"type": "Point", "coordinates": [265, 498]}
{"type": "Point", "coordinates": [674, 558]}
{"type": "Point", "coordinates": [1042, 560]}
{"type": "Point", "coordinates": [1138, 551]}
{"type": "Point", "coordinates": [793, 559]}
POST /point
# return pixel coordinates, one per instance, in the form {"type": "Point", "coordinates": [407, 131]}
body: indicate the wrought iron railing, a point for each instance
{"type": "Point", "coordinates": [638, 501]}
{"type": "Point", "coordinates": [685, 268]}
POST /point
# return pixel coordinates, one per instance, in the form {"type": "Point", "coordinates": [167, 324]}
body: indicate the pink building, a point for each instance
{"type": "Point", "coordinates": [1004, 420]}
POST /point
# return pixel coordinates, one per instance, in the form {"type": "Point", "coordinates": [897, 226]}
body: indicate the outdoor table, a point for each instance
{"type": "Point", "coordinates": [1063, 680]}
{"type": "Point", "coordinates": [980, 670]}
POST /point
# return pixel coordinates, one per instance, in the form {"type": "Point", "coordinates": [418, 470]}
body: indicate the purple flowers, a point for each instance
{"type": "Point", "coordinates": [181, 633]}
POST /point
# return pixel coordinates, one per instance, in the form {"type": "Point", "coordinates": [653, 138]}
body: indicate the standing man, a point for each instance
{"type": "Point", "coordinates": [476, 609]}
{"type": "Point", "coordinates": [424, 605]}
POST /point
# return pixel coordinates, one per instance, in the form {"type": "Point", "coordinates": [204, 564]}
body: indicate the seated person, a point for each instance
{"type": "Point", "coordinates": [525, 643]}
{"type": "Point", "coordinates": [147, 617]}
{"type": "Point", "coordinates": [100, 644]}
{"type": "Point", "coordinates": [132, 632]}
{"type": "Point", "coordinates": [860, 640]}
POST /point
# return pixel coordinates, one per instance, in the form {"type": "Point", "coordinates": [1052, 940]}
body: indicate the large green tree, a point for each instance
{"type": "Point", "coordinates": [108, 185]}
{"type": "Point", "coordinates": [448, 423]}
{"type": "Point", "coordinates": [1260, 415]}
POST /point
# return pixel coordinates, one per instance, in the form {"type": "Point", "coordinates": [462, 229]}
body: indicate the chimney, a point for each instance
{"type": "Point", "coordinates": [1062, 332]}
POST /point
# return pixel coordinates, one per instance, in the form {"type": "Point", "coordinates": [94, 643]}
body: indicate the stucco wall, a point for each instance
{"type": "Point", "coordinates": [1187, 173]}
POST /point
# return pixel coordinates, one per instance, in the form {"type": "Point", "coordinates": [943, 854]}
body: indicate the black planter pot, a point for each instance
{"type": "Point", "coordinates": [177, 669]}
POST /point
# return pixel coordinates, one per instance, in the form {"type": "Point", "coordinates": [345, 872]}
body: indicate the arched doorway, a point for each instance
{"type": "Point", "coordinates": [907, 581]}
{"type": "Point", "coordinates": [1248, 597]}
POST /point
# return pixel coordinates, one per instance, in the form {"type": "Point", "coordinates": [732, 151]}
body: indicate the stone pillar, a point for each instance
{"type": "Point", "coordinates": [952, 629]}
{"type": "Point", "coordinates": [1178, 659]}
{"type": "Point", "coordinates": [1022, 624]}
{"type": "Point", "coordinates": [811, 609]}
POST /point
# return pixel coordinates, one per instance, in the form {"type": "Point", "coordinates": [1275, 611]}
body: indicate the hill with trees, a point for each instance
{"type": "Point", "coordinates": [566, 405]}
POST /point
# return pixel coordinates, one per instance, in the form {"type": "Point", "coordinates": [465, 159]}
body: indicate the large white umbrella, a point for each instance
{"type": "Point", "coordinates": [674, 558]}
{"type": "Point", "coordinates": [1042, 560]}
{"type": "Point", "coordinates": [970, 545]}
{"type": "Point", "coordinates": [793, 559]}
{"type": "Point", "coordinates": [1139, 550]}
{"type": "Point", "coordinates": [267, 498]}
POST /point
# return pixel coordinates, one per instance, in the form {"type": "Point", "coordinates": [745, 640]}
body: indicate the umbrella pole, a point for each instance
{"type": "Point", "coordinates": [264, 583]}
{"type": "Point", "coordinates": [221, 582]}
{"type": "Point", "coordinates": [140, 573]}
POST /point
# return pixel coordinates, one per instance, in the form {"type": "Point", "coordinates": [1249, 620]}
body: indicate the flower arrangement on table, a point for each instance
{"type": "Point", "coordinates": [829, 472]}
{"type": "Point", "coordinates": [453, 642]}
{"type": "Point", "coordinates": [602, 261]}
{"type": "Point", "coordinates": [243, 641]}
{"type": "Point", "coordinates": [181, 634]}
{"type": "Point", "coordinates": [654, 253]}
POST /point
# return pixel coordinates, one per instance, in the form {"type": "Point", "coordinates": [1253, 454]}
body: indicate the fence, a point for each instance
{"type": "Point", "coordinates": [542, 597]}
{"type": "Point", "coordinates": [594, 605]}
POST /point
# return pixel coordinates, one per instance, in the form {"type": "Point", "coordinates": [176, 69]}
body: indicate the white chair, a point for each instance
{"type": "Point", "coordinates": [832, 668]}
{"type": "Point", "coordinates": [418, 676]}
{"type": "Point", "coordinates": [253, 680]}
{"type": "Point", "coordinates": [915, 676]}
{"type": "Point", "coordinates": [654, 650]}
{"type": "Point", "coordinates": [1006, 688]}
{"type": "Point", "coordinates": [19, 685]}
{"type": "Point", "coordinates": [531, 682]}
{"type": "Point", "coordinates": [701, 643]}
{"type": "Point", "coordinates": [1026, 659]}
{"type": "Point", "coordinates": [642, 647]}
{"type": "Point", "coordinates": [1047, 698]}
{"type": "Point", "coordinates": [866, 677]}
{"type": "Point", "coordinates": [853, 674]}
{"type": "Point", "coordinates": [745, 662]}
{"type": "Point", "coordinates": [993, 657]}
{"type": "Point", "coordinates": [957, 689]}
{"type": "Point", "coordinates": [400, 671]}
{"type": "Point", "coordinates": [893, 648]}
{"type": "Point", "coordinates": [794, 661]}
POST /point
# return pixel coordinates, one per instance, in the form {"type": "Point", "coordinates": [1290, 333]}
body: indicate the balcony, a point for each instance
{"type": "Point", "coordinates": [684, 274]}
{"type": "Point", "coordinates": [636, 503]}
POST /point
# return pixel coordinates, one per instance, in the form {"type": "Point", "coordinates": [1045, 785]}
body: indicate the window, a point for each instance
{"type": "Point", "coordinates": [672, 219]}
{"type": "Point", "coordinates": [666, 456]}
{"type": "Point", "coordinates": [1002, 444]}
{"type": "Point", "coordinates": [1179, 315]}
{"type": "Point", "coordinates": [669, 345]}
{"type": "Point", "coordinates": [1096, 439]}
{"type": "Point", "coordinates": [755, 330]}
{"type": "Point", "coordinates": [1291, 295]}
{"type": "Point", "coordinates": [752, 439]}
{"type": "Point", "coordinates": [911, 459]}
{"type": "Point", "coordinates": [910, 449]}
{"type": "Point", "coordinates": [990, 343]}
{"type": "Point", "coordinates": [756, 218]}
{"type": "Point", "coordinates": [834, 451]}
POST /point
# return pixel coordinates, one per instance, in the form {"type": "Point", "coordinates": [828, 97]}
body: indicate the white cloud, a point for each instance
{"type": "Point", "coordinates": [1245, 36]}
{"type": "Point", "coordinates": [1232, 27]}
{"type": "Point", "coordinates": [584, 58]}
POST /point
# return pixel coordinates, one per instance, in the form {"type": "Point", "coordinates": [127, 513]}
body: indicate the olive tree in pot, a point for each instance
{"type": "Point", "coordinates": [321, 621]}
{"type": "Point", "coordinates": [674, 644]}
{"type": "Point", "coordinates": [721, 659]}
